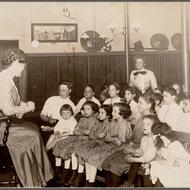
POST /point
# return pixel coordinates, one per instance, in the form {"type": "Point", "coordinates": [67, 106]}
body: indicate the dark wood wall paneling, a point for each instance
{"type": "Point", "coordinates": [46, 70]}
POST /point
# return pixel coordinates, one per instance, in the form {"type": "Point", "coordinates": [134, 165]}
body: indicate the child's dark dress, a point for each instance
{"type": "Point", "coordinates": [116, 162]}
{"type": "Point", "coordinates": [85, 151]}
{"type": "Point", "coordinates": [65, 147]}
{"type": "Point", "coordinates": [102, 149]}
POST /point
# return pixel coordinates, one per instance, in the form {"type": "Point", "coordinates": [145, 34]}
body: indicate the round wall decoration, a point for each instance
{"type": "Point", "coordinates": [159, 41]}
{"type": "Point", "coordinates": [176, 41]}
{"type": "Point", "coordinates": [91, 41]}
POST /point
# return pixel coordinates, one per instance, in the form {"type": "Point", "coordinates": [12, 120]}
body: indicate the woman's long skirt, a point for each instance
{"type": "Point", "coordinates": [28, 153]}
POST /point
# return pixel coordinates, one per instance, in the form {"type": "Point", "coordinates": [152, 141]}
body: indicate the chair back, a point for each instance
{"type": "Point", "coordinates": [4, 118]}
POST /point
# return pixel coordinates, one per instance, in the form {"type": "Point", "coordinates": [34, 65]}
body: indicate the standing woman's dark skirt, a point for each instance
{"type": "Point", "coordinates": [28, 153]}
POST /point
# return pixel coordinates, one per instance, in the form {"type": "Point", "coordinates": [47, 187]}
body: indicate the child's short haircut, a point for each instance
{"type": "Point", "coordinates": [130, 89]}
{"type": "Point", "coordinates": [171, 91]}
{"type": "Point", "coordinates": [66, 107]}
{"type": "Point", "coordinates": [67, 83]}
{"type": "Point", "coordinates": [108, 110]}
{"type": "Point", "coordinates": [117, 86]}
{"type": "Point", "coordinates": [93, 105]}
{"type": "Point", "coordinates": [90, 86]}
{"type": "Point", "coordinates": [152, 117]}
{"type": "Point", "coordinates": [124, 109]}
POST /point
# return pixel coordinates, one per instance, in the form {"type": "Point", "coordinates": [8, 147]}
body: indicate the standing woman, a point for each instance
{"type": "Point", "coordinates": [24, 141]}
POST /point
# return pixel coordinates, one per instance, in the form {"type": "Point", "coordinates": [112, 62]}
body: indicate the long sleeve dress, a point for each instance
{"type": "Point", "coordinates": [85, 151]}
{"type": "Point", "coordinates": [24, 141]}
{"type": "Point", "coordinates": [65, 147]}
{"type": "Point", "coordinates": [116, 162]}
{"type": "Point", "coordinates": [102, 150]}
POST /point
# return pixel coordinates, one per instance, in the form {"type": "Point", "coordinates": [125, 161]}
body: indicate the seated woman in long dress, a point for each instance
{"type": "Point", "coordinates": [24, 141]}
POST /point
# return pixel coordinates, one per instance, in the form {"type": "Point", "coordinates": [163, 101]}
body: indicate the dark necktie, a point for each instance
{"type": "Point", "coordinates": [139, 72]}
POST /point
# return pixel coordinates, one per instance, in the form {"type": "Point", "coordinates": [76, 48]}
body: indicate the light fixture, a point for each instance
{"type": "Point", "coordinates": [112, 26]}
{"type": "Point", "coordinates": [136, 27]}
{"type": "Point", "coordinates": [35, 43]}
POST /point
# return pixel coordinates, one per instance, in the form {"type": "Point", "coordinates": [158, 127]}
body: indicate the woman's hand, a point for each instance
{"type": "Point", "coordinates": [20, 115]}
{"type": "Point", "coordinates": [47, 128]}
{"type": "Point", "coordinates": [31, 106]}
{"type": "Point", "coordinates": [25, 108]}
{"type": "Point", "coordinates": [51, 120]}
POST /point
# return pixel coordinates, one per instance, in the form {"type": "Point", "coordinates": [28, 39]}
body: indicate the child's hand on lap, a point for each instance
{"type": "Point", "coordinates": [100, 135]}
{"type": "Point", "coordinates": [57, 134]}
{"type": "Point", "coordinates": [129, 159]}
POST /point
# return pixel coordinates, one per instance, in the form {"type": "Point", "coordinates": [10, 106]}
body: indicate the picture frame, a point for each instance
{"type": "Point", "coordinates": [54, 32]}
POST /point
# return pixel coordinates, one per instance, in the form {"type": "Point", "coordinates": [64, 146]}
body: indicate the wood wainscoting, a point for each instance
{"type": "Point", "coordinates": [46, 70]}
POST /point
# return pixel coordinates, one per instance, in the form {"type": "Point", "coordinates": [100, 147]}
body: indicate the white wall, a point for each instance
{"type": "Point", "coordinates": [153, 17]}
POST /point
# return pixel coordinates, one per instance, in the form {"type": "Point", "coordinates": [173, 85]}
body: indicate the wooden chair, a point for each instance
{"type": "Point", "coordinates": [6, 163]}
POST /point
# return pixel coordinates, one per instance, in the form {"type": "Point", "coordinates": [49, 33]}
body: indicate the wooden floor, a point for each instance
{"type": "Point", "coordinates": [7, 175]}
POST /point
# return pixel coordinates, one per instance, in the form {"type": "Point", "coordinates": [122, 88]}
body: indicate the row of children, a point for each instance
{"type": "Point", "coordinates": [119, 137]}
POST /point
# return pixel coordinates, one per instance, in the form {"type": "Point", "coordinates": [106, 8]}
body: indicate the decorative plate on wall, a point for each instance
{"type": "Point", "coordinates": [91, 41]}
{"type": "Point", "coordinates": [176, 41]}
{"type": "Point", "coordinates": [159, 41]}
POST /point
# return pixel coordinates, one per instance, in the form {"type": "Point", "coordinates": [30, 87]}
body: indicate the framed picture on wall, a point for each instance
{"type": "Point", "coordinates": [52, 32]}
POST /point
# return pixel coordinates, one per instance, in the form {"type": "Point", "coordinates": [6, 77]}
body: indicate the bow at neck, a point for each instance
{"type": "Point", "coordinates": [140, 72]}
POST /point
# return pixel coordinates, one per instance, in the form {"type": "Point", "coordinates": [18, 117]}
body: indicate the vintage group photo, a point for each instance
{"type": "Point", "coordinates": [94, 94]}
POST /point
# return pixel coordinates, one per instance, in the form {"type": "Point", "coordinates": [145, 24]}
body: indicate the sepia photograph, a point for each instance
{"type": "Point", "coordinates": [94, 94]}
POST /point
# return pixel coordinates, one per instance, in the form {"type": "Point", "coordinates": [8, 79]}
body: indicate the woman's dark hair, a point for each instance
{"type": "Point", "coordinates": [104, 92]}
{"type": "Point", "coordinates": [181, 94]}
{"type": "Point", "coordinates": [123, 86]}
{"type": "Point", "coordinates": [93, 105]}
{"type": "Point", "coordinates": [162, 129]}
{"type": "Point", "coordinates": [124, 109]}
{"type": "Point", "coordinates": [117, 86]}
{"type": "Point", "coordinates": [90, 86]}
{"type": "Point", "coordinates": [131, 89]}
{"type": "Point", "coordinates": [171, 91]}
{"type": "Point", "coordinates": [108, 110]}
{"type": "Point", "coordinates": [139, 57]}
{"type": "Point", "coordinates": [104, 87]}
{"type": "Point", "coordinates": [149, 100]}
{"type": "Point", "coordinates": [67, 83]}
{"type": "Point", "coordinates": [157, 96]}
{"type": "Point", "coordinates": [66, 107]}
{"type": "Point", "coordinates": [12, 55]}
{"type": "Point", "coordinates": [152, 117]}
